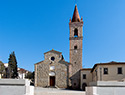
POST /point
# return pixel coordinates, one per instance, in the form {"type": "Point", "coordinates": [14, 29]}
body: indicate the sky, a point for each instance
{"type": "Point", "coordinates": [33, 27]}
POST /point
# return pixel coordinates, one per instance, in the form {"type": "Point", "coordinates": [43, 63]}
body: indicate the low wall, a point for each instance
{"type": "Point", "coordinates": [105, 91]}
{"type": "Point", "coordinates": [16, 87]}
{"type": "Point", "coordinates": [106, 88]}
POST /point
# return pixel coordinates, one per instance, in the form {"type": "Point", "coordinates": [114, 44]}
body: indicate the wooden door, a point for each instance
{"type": "Point", "coordinates": [52, 80]}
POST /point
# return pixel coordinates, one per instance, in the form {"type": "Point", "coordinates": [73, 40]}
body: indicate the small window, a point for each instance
{"type": "Point", "coordinates": [52, 67]}
{"type": "Point", "coordinates": [105, 70]}
{"type": "Point", "coordinates": [76, 32]}
{"type": "Point", "coordinates": [52, 58]}
{"type": "Point", "coordinates": [96, 72]}
{"type": "Point", "coordinates": [84, 76]}
{"type": "Point", "coordinates": [119, 70]}
{"type": "Point", "coordinates": [74, 83]}
{"type": "Point", "coordinates": [75, 47]}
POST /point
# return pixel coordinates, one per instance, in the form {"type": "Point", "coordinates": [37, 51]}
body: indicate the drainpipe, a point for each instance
{"type": "Point", "coordinates": [100, 74]}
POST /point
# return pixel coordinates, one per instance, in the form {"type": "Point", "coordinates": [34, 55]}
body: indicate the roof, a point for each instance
{"type": "Point", "coordinates": [109, 63]}
{"type": "Point", "coordinates": [86, 69]}
{"type": "Point", "coordinates": [21, 70]}
{"type": "Point", "coordinates": [6, 65]}
{"type": "Point", "coordinates": [65, 62]}
{"type": "Point", "coordinates": [76, 17]}
{"type": "Point", "coordinates": [53, 51]}
{"type": "Point", "coordinates": [38, 62]}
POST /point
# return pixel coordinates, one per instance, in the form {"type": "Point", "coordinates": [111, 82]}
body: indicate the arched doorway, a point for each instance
{"type": "Point", "coordinates": [84, 86]}
{"type": "Point", "coordinates": [52, 78]}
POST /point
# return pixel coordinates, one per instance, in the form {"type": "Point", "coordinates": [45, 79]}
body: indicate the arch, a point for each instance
{"type": "Point", "coordinates": [84, 86]}
{"type": "Point", "coordinates": [75, 32]}
{"type": "Point", "coordinates": [52, 74]}
{"type": "Point", "coordinates": [75, 47]}
{"type": "Point", "coordinates": [52, 81]}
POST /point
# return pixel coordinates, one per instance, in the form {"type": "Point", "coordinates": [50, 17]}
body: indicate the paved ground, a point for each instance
{"type": "Point", "coordinates": [54, 91]}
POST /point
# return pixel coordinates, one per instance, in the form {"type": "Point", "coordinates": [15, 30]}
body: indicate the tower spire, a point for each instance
{"type": "Point", "coordinates": [76, 17]}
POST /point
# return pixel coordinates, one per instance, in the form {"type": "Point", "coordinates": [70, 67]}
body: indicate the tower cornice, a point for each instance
{"type": "Point", "coordinates": [75, 38]}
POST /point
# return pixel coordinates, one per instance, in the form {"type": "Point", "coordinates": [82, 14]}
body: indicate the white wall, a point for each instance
{"type": "Point", "coordinates": [106, 88]}
{"type": "Point", "coordinates": [15, 87]}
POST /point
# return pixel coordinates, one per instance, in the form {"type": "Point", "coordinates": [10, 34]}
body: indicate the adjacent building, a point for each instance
{"type": "Point", "coordinates": [112, 71]}
{"type": "Point", "coordinates": [85, 77]}
{"type": "Point", "coordinates": [22, 73]}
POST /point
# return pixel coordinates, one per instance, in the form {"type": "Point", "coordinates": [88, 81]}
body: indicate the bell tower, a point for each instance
{"type": "Point", "coordinates": [76, 38]}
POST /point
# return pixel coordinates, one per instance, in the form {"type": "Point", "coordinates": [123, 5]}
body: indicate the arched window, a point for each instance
{"type": "Point", "coordinates": [76, 32]}
{"type": "Point", "coordinates": [84, 86]}
{"type": "Point", "coordinates": [75, 47]}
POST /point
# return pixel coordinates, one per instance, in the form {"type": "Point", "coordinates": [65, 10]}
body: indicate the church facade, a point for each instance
{"type": "Point", "coordinates": [54, 70]}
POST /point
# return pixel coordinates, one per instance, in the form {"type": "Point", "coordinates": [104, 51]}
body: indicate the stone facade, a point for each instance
{"type": "Point", "coordinates": [76, 37]}
{"type": "Point", "coordinates": [54, 65]}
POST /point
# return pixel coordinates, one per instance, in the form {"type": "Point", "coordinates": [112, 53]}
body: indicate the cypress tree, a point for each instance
{"type": "Point", "coordinates": [13, 72]}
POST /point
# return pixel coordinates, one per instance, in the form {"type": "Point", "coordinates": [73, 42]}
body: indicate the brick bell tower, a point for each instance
{"type": "Point", "coordinates": [76, 38]}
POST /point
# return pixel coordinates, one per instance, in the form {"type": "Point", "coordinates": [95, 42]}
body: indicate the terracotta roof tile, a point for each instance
{"type": "Point", "coordinates": [76, 17]}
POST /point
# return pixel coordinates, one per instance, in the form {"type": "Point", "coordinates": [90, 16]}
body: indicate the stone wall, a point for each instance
{"type": "Point", "coordinates": [76, 54]}
{"type": "Point", "coordinates": [41, 74]}
{"type": "Point", "coordinates": [61, 70]}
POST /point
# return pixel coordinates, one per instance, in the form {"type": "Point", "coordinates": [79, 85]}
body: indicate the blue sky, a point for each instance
{"type": "Point", "coordinates": [33, 27]}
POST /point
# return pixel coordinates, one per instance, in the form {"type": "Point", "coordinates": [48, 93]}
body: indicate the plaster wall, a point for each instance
{"type": "Point", "coordinates": [15, 87]}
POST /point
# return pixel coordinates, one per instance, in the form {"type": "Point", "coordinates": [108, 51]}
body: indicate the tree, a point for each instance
{"type": "Point", "coordinates": [30, 75]}
{"type": "Point", "coordinates": [2, 68]}
{"type": "Point", "coordinates": [12, 66]}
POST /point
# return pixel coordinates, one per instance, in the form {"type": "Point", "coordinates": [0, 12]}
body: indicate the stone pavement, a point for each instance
{"type": "Point", "coordinates": [54, 91]}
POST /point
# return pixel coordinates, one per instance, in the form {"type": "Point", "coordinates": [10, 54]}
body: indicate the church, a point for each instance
{"type": "Point", "coordinates": [54, 71]}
